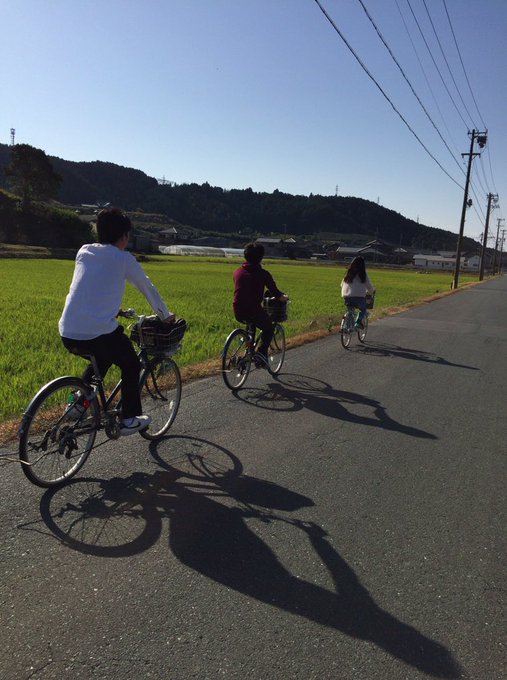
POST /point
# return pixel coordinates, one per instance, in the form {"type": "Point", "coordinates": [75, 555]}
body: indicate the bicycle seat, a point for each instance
{"type": "Point", "coordinates": [85, 355]}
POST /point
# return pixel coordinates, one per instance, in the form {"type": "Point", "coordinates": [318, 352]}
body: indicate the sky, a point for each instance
{"type": "Point", "coordinates": [267, 94]}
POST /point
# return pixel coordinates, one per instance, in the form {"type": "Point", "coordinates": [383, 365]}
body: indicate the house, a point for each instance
{"type": "Point", "coordinates": [437, 262]}
{"type": "Point", "coordinates": [169, 235]}
{"type": "Point", "coordinates": [273, 247]}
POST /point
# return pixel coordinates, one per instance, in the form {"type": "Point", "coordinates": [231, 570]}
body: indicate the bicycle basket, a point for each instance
{"type": "Point", "coordinates": [158, 337]}
{"type": "Point", "coordinates": [276, 309]}
{"type": "Point", "coordinates": [370, 300]}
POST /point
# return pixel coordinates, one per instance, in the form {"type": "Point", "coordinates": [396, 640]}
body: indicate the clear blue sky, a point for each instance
{"type": "Point", "coordinates": [265, 94]}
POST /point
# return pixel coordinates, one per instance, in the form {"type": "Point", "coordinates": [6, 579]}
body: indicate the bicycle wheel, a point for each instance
{"type": "Point", "coordinates": [361, 332]}
{"type": "Point", "coordinates": [160, 396]}
{"type": "Point", "coordinates": [276, 350]}
{"type": "Point", "coordinates": [346, 328]}
{"type": "Point", "coordinates": [236, 360]}
{"type": "Point", "coordinates": [57, 435]}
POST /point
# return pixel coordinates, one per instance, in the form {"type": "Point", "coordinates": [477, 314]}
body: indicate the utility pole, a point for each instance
{"type": "Point", "coordinates": [481, 138]}
{"type": "Point", "coordinates": [501, 251]}
{"type": "Point", "coordinates": [491, 198]}
{"type": "Point", "coordinates": [498, 221]}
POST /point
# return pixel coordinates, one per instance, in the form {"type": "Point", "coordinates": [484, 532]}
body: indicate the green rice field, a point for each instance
{"type": "Point", "coordinates": [34, 290]}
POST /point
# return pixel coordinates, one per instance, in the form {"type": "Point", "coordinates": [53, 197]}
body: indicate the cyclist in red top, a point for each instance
{"type": "Point", "coordinates": [250, 281]}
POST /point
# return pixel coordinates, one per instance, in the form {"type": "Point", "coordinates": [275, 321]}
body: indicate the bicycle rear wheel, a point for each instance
{"type": "Point", "coordinates": [236, 360]}
{"type": "Point", "coordinates": [361, 332]}
{"type": "Point", "coordinates": [160, 396]}
{"type": "Point", "coordinates": [346, 328]}
{"type": "Point", "coordinates": [276, 350]}
{"type": "Point", "coordinates": [57, 433]}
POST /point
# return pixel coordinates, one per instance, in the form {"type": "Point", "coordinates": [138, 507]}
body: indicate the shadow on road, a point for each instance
{"type": "Point", "coordinates": [292, 392]}
{"type": "Point", "coordinates": [211, 506]}
{"type": "Point", "coordinates": [385, 350]}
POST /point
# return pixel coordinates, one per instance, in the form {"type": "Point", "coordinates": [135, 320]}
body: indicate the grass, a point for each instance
{"type": "Point", "coordinates": [34, 290]}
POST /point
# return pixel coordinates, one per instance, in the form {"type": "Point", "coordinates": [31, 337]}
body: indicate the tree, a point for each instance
{"type": "Point", "coordinates": [31, 175]}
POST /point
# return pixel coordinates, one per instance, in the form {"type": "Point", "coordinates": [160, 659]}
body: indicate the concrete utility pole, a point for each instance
{"type": "Point", "coordinates": [498, 221]}
{"type": "Point", "coordinates": [481, 138]}
{"type": "Point", "coordinates": [491, 198]}
{"type": "Point", "coordinates": [501, 251]}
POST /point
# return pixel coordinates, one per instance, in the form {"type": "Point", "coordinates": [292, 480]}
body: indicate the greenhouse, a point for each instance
{"type": "Point", "coordinates": [207, 251]}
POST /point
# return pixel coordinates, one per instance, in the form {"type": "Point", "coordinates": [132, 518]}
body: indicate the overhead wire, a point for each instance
{"type": "Point", "coordinates": [408, 81]}
{"type": "Point", "coordinates": [436, 65]}
{"type": "Point", "coordinates": [447, 63]}
{"type": "Point", "coordinates": [369, 74]}
{"type": "Point", "coordinates": [423, 70]}
{"type": "Point", "coordinates": [463, 65]}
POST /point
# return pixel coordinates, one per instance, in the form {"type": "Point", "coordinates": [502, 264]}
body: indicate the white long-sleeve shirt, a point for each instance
{"type": "Point", "coordinates": [357, 288]}
{"type": "Point", "coordinates": [97, 288]}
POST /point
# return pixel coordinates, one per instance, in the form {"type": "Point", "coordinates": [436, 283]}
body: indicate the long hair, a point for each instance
{"type": "Point", "coordinates": [356, 268]}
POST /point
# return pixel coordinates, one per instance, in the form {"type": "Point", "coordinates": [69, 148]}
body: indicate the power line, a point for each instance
{"type": "Point", "coordinates": [447, 63]}
{"type": "Point", "coordinates": [407, 80]}
{"type": "Point", "coordinates": [436, 65]}
{"type": "Point", "coordinates": [363, 66]}
{"type": "Point", "coordinates": [463, 65]}
{"type": "Point", "coordinates": [426, 77]}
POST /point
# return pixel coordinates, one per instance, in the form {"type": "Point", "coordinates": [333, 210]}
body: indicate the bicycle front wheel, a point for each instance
{"type": "Point", "coordinates": [276, 351]}
{"type": "Point", "coordinates": [236, 360]}
{"type": "Point", "coordinates": [346, 329]}
{"type": "Point", "coordinates": [57, 432]}
{"type": "Point", "coordinates": [160, 396]}
{"type": "Point", "coordinates": [361, 332]}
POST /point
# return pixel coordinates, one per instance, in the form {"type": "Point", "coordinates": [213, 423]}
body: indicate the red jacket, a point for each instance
{"type": "Point", "coordinates": [250, 280]}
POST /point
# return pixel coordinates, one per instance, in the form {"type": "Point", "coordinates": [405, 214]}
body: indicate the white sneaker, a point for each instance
{"type": "Point", "coordinates": [139, 423]}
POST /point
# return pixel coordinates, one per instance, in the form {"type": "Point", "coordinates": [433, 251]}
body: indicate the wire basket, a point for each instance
{"type": "Point", "coordinates": [276, 309]}
{"type": "Point", "coordinates": [158, 338]}
{"type": "Point", "coordinates": [370, 300]}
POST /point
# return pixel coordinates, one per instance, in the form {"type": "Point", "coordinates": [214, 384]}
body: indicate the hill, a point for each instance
{"type": "Point", "coordinates": [209, 208]}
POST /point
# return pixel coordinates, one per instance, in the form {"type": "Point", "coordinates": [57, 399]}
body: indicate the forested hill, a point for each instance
{"type": "Point", "coordinates": [214, 209]}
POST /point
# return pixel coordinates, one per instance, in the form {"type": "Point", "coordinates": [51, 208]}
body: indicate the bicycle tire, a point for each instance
{"type": "Point", "coordinates": [361, 332]}
{"type": "Point", "coordinates": [276, 350]}
{"type": "Point", "coordinates": [346, 330]}
{"type": "Point", "coordinates": [56, 438]}
{"type": "Point", "coordinates": [160, 390]}
{"type": "Point", "coordinates": [236, 359]}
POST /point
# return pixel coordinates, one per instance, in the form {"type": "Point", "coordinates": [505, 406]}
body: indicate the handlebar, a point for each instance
{"type": "Point", "coordinates": [130, 313]}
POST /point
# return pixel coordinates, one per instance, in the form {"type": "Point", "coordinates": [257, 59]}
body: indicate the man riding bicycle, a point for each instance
{"type": "Point", "coordinates": [250, 281]}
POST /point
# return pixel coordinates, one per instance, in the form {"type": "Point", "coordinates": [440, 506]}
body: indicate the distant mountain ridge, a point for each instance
{"type": "Point", "coordinates": [211, 208]}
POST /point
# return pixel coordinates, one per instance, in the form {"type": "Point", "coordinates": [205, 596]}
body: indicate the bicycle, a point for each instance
{"type": "Point", "coordinates": [60, 424]}
{"type": "Point", "coordinates": [348, 324]}
{"type": "Point", "coordinates": [240, 349]}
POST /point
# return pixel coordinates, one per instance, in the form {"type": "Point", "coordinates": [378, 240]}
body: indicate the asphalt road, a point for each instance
{"type": "Point", "coordinates": [345, 522]}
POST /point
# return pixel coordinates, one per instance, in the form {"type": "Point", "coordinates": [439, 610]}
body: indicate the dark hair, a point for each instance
{"type": "Point", "coordinates": [356, 268]}
{"type": "Point", "coordinates": [254, 252]}
{"type": "Point", "coordinates": [112, 224]}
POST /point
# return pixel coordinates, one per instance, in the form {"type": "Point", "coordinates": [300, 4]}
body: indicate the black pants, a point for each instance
{"type": "Point", "coordinates": [113, 348]}
{"type": "Point", "coordinates": [261, 321]}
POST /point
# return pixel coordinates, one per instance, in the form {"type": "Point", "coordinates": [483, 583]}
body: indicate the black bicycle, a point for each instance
{"type": "Point", "coordinates": [240, 349]}
{"type": "Point", "coordinates": [59, 427]}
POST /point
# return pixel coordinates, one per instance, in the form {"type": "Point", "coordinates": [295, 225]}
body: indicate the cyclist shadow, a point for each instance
{"type": "Point", "coordinates": [213, 508]}
{"type": "Point", "coordinates": [297, 392]}
{"type": "Point", "coordinates": [395, 351]}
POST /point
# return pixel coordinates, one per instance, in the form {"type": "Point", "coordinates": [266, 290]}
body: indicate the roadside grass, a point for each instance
{"type": "Point", "coordinates": [200, 291]}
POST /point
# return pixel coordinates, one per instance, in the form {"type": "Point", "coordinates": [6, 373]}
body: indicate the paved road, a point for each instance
{"type": "Point", "coordinates": [344, 522]}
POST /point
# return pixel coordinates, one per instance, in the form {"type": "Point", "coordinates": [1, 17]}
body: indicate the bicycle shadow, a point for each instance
{"type": "Point", "coordinates": [395, 351]}
{"type": "Point", "coordinates": [293, 392]}
{"type": "Point", "coordinates": [211, 505]}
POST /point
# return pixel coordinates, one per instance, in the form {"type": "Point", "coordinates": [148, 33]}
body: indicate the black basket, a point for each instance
{"type": "Point", "coordinates": [370, 300]}
{"type": "Point", "coordinates": [159, 338]}
{"type": "Point", "coordinates": [276, 309]}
